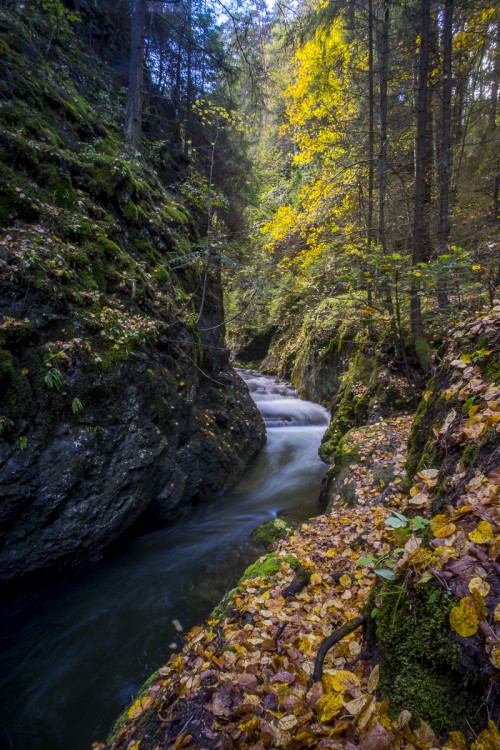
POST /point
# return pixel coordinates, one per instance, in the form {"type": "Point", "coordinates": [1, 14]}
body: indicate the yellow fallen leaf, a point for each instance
{"type": "Point", "coordinates": [495, 657]}
{"type": "Point", "coordinates": [482, 534]}
{"type": "Point", "coordinates": [442, 527]}
{"type": "Point", "coordinates": [138, 706]}
{"type": "Point", "coordinates": [463, 617]}
{"type": "Point", "coordinates": [477, 584]}
{"type": "Point", "coordinates": [428, 474]}
{"type": "Point", "coordinates": [479, 604]}
{"type": "Point", "coordinates": [489, 739]}
{"type": "Point", "coordinates": [366, 714]}
{"type": "Point", "coordinates": [315, 579]}
{"type": "Point", "coordinates": [462, 511]}
{"type": "Point", "coordinates": [455, 741]}
{"type": "Point", "coordinates": [328, 706]}
{"type": "Point", "coordinates": [495, 549]}
{"type": "Point", "coordinates": [345, 580]}
{"type": "Point", "coordinates": [339, 681]}
{"type": "Point", "coordinates": [496, 614]}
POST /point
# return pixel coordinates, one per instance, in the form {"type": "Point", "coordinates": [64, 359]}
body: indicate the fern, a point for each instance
{"type": "Point", "coordinates": [53, 379]}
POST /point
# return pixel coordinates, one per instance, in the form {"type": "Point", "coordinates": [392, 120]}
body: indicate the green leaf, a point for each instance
{"type": "Point", "coordinates": [385, 573]}
{"type": "Point", "coordinates": [395, 523]}
{"type": "Point", "coordinates": [467, 404]}
{"type": "Point", "coordinates": [76, 405]}
{"type": "Point", "coordinates": [419, 523]}
{"type": "Point", "coordinates": [399, 515]}
{"type": "Point", "coordinates": [365, 561]}
{"type": "Point", "coordinates": [53, 379]}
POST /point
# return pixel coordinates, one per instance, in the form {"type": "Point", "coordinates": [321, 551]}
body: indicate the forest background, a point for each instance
{"type": "Point", "coordinates": [360, 142]}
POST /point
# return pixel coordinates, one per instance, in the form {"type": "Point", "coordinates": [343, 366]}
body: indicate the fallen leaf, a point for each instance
{"type": "Point", "coordinates": [428, 474]}
{"type": "Point", "coordinates": [373, 679]}
{"type": "Point", "coordinates": [339, 681]}
{"type": "Point", "coordinates": [283, 676]}
{"type": "Point", "coordinates": [376, 738]}
{"type": "Point", "coordinates": [482, 534]}
{"type": "Point", "coordinates": [463, 617]}
{"type": "Point", "coordinates": [455, 741]}
{"type": "Point", "coordinates": [489, 739]}
{"type": "Point", "coordinates": [477, 584]}
{"type": "Point", "coordinates": [328, 706]}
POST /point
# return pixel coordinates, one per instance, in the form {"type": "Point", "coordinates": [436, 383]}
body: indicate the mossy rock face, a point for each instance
{"type": "Point", "coordinates": [421, 669]}
{"type": "Point", "coordinates": [368, 391]}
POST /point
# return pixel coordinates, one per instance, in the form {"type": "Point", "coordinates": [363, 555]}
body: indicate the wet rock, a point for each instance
{"type": "Point", "coordinates": [143, 446]}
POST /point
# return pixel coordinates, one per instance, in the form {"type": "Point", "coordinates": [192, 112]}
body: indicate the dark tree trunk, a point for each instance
{"type": "Point", "coordinates": [445, 150]}
{"type": "Point", "coordinates": [133, 115]}
{"type": "Point", "coordinates": [383, 45]}
{"type": "Point", "coordinates": [420, 231]}
{"type": "Point", "coordinates": [382, 164]}
{"type": "Point", "coordinates": [189, 81]}
{"type": "Point", "coordinates": [492, 127]}
{"type": "Point", "coordinates": [371, 141]}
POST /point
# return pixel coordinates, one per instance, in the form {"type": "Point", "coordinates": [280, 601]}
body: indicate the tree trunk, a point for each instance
{"type": "Point", "coordinates": [133, 115]}
{"type": "Point", "coordinates": [383, 46]}
{"type": "Point", "coordinates": [189, 82]}
{"type": "Point", "coordinates": [421, 185]}
{"type": "Point", "coordinates": [371, 142]}
{"type": "Point", "coordinates": [492, 126]}
{"type": "Point", "coordinates": [445, 150]}
{"type": "Point", "coordinates": [382, 164]}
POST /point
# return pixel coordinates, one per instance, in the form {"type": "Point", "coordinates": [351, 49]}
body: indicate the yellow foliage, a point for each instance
{"type": "Point", "coordinates": [328, 706]}
{"type": "Point", "coordinates": [482, 534]}
{"type": "Point", "coordinates": [489, 739]}
{"type": "Point", "coordinates": [138, 706]}
{"type": "Point", "coordinates": [441, 527]}
{"type": "Point", "coordinates": [463, 618]}
{"type": "Point", "coordinates": [340, 681]}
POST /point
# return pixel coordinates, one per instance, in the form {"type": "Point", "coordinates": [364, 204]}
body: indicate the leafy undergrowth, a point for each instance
{"type": "Point", "coordinates": [425, 585]}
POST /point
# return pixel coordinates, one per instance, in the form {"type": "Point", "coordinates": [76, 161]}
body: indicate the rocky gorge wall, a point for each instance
{"type": "Point", "coordinates": [154, 434]}
{"type": "Point", "coordinates": [117, 400]}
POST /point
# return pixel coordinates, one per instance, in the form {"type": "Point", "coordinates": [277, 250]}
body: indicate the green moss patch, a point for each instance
{"type": "Point", "coordinates": [421, 670]}
{"type": "Point", "coordinates": [272, 531]}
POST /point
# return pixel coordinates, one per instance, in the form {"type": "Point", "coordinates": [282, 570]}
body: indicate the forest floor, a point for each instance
{"type": "Point", "coordinates": [256, 676]}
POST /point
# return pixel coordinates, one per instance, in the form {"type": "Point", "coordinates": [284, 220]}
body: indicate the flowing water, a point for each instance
{"type": "Point", "coordinates": [73, 655]}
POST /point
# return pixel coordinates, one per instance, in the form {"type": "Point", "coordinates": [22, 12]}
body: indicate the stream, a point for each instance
{"type": "Point", "coordinates": [74, 655]}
